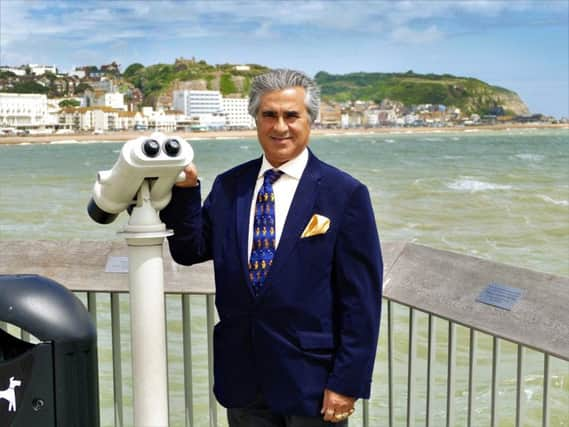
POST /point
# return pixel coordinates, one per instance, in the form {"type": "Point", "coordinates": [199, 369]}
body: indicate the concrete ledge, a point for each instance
{"type": "Point", "coordinates": [447, 284]}
{"type": "Point", "coordinates": [440, 282]}
{"type": "Point", "coordinates": [80, 266]}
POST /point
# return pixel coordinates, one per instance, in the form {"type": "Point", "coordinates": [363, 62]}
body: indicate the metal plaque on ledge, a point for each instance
{"type": "Point", "coordinates": [116, 264]}
{"type": "Point", "coordinates": [501, 296]}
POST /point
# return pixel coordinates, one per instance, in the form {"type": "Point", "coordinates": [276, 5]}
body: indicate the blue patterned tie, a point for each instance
{"type": "Point", "coordinates": [263, 249]}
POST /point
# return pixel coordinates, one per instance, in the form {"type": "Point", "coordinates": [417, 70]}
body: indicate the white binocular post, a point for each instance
{"type": "Point", "coordinates": [145, 235]}
{"type": "Point", "coordinates": [145, 172]}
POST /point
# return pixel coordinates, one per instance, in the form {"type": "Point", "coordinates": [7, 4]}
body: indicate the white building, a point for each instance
{"type": "Point", "coordinates": [77, 73]}
{"type": "Point", "coordinates": [99, 98]}
{"type": "Point", "coordinates": [40, 70]}
{"type": "Point", "coordinates": [161, 120]}
{"type": "Point", "coordinates": [203, 107]}
{"type": "Point", "coordinates": [17, 71]}
{"type": "Point", "coordinates": [236, 113]}
{"type": "Point", "coordinates": [372, 118]}
{"type": "Point", "coordinates": [91, 118]}
{"type": "Point", "coordinates": [23, 110]}
{"type": "Point", "coordinates": [195, 102]}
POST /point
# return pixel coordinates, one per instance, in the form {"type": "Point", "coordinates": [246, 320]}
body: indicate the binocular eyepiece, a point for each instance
{"type": "Point", "coordinates": [171, 147]}
{"type": "Point", "coordinates": [158, 158]}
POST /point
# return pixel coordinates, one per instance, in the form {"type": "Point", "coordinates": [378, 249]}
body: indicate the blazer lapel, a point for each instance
{"type": "Point", "coordinates": [299, 213]}
{"type": "Point", "coordinates": [245, 188]}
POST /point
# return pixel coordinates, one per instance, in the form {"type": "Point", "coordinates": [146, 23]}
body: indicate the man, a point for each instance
{"type": "Point", "coordinates": [297, 265]}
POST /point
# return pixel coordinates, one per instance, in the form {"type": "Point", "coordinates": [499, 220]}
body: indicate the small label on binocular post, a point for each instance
{"type": "Point", "coordinates": [117, 264]}
{"type": "Point", "coordinates": [500, 296]}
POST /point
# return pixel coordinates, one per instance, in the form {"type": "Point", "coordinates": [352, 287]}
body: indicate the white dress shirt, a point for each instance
{"type": "Point", "coordinates": [284, 189]}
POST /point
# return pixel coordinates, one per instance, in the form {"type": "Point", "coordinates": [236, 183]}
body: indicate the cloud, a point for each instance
{"type": "Point", "coordinates": [410, 36]}
{"type": "Point", "coordinates": [71, 25]}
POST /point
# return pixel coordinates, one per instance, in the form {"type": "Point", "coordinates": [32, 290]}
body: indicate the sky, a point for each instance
{"type": "Point", "coordinates": [517, 44]}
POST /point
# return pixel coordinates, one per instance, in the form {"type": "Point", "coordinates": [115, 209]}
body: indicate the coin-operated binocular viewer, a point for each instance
{"type": "Point", "coordinates": [141, 182]}
{"type": "Point", "coordinates": [54, 382]}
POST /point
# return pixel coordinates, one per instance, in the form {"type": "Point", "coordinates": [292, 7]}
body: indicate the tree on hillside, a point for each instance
{"type": "Point", "coordinates": [82, 87]}
{"type": "Point", "coordinates": [226, 85]}
{"type": "Point", "coordinates": [69, 103]}
{"type": "Point", "coordinates": [132, 69]}
{"type": "Point", "coordinates": [6, 74]}
{"type": "Point", "coordinates": [29, 87]}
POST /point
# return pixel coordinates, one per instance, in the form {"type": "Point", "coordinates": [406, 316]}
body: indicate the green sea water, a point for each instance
{"type": "Point", "coordinates": [502, 196]}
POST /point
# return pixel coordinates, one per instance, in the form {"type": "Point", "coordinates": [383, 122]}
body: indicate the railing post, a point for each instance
{"type": "Point", "coordinates": [546, 390]}
{"type": "Point", "coordinates": [365, 413]}
{"type": "Point", "coordinates": [471, 377]}
{"type": "Point", "coordinates": [430, 368]}
{"type": "Point", "coordinates": [495, 369]}
{"type": "Point", "coordinates": [451, 369]}
{"type": "Point", "coordinates": [92, 305]}
{"type": "Point", "coordinates": [520, 386]}
{"type": "Point", "coordinates": [187, 333]}
{"type": "Point", "coordinates": [390, 364]}
{"type": "Point", "coordinates": [117, 361]}
{"type": "Point", "coordinates": [411, 370]}
{"type": "Point", "coordinates": [210, 303]}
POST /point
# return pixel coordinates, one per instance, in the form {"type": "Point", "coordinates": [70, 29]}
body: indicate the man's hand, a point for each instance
{"type": "Point", "coordinates": [191, 177]}
{"type": "Point", "coordinates": [336, 407]}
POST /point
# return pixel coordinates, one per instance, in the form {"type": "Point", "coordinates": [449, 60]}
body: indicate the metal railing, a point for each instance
{"type": "Point", "coordinates": [411, 407]}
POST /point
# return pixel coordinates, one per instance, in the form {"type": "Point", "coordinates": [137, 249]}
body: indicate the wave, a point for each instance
{"type": "Point", "coordinates": [473, 185]}
{"type": "Point", "coordinates": [64, 141]}
{"type": "Point", "coordinates": [530, 157]}
{"type": "Point", "coordinates": [555, 202]}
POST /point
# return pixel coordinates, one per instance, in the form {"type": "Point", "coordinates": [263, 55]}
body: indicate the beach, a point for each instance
{"type": "Point", "coordinates": [121, 136]}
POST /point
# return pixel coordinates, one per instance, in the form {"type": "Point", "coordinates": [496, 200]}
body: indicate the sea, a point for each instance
{"type": "Point", "coordinates": [498, 195]}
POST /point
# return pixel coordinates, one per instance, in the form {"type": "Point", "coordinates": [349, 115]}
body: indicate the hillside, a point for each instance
{"type": "Point", "coordinates": [156, 82]}
{"type": "Point", "coordinates": [468, 94]}
{"type": "Point", "coordinates": [160, 79]}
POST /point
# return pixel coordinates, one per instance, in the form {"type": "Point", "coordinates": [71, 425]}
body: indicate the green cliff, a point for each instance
{"type": "Point", "coordinates": [468, 94]}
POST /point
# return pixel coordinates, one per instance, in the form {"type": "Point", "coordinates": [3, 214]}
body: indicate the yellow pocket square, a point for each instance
{"type": "Point", "coordinates": [318, 224]}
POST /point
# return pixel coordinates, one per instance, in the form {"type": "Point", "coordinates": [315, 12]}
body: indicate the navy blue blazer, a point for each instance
{"type": "Point", "coordinates": [315, 324]}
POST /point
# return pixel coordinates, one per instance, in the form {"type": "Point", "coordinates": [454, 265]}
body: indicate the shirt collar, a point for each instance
{"type": "Point", "coordinates": [293, 168]}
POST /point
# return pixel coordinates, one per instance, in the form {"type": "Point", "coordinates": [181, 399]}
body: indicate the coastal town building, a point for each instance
{"type": "Point", "coordinates": [23, 110]}
{"type": "Point", "coordinates": [14, 70]}
{"type": "Point", "coordinates": [90, 119]}
{"type": "Point", "coordinates": [40, 70]}
{"type": "Point", "coordinates": [195, 102]}
{"type": "Point", "coordinates": [161, 120]}
{"type": "Point", "coordinates": [204, 108]}
{"type": "Point", "coordinates": [330, 115]}
{"type": "Point", "coordinates": [30, 69]}
{"type": "Point", "coordinates": [237, 114]}
{"type": "Point", "coordinates": [352, 119]}
{"type": "Point", "coordinates": [371, 118]}
{"type": "Point", "coordinates": [101, 98]}
{"type": "Point", "coordinates": [127, 120]}
{"type": "Point", "coordinates": [77, 73]}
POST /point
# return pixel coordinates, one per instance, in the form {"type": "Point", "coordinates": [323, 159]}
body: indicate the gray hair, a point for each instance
{"type": "Point", "coordinates": [281, 79]}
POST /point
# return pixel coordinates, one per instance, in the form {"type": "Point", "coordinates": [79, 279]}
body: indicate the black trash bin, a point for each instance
{"type": "Point", "coordinates": [52, 383]}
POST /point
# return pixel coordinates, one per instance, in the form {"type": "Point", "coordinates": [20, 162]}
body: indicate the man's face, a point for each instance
{"type": "Point", "coordinates": [283, 124]}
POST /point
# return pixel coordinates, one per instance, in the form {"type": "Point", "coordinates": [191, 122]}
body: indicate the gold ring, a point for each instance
{"type": "Point", "coordinates": [330, 411]}
{"type": "Point", "coordinates": [341, 416]}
